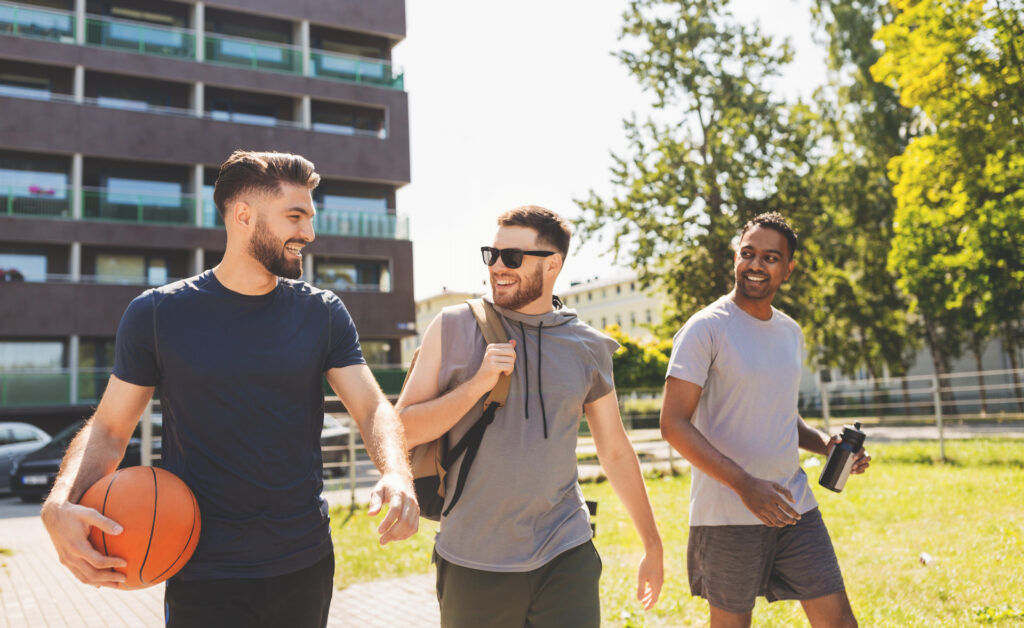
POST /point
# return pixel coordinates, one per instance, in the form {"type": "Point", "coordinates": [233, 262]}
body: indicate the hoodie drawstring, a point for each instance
{"type": "Point", "coordinates": [526, 372]}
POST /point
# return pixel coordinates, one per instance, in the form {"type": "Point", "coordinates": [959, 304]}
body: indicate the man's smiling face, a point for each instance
{"type": "Point", "coordinates": [762, 262]}
{"type": "Point", "coordinates": [284, 225]}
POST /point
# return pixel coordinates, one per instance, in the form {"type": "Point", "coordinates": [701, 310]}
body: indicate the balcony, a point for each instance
{"type": "Point", "coordinates": [333, 65]}
{"type": "Point", "coordinates": [253, 54]}
{"type": "Point", "coordinates": [361, 224]}
{"type": "Point", "coordinates": [151, 209]}
{"type": "Point", "coordinates": [21, 20]}
{"type": "Point", "coordinates": [139, 37]}
{"type": "Point", "coordinates": [36, 22]}
{"type": "Point", "coordinates": [35, 201]}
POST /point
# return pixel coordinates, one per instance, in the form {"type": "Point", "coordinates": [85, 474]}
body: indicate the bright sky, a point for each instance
{"type": "Point", "coordinates": [522, 103]}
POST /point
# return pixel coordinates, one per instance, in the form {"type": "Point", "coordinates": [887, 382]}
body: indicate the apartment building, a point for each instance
{"type": "Point", "coordinates": [114, 117]}
{"type": "Point", "coordinates": [617, 300]}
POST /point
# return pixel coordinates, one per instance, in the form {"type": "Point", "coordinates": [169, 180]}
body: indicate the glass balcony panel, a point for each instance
{"type": "Point", "coordinates": [358, 69]}
{"type": "Point", "coordinates": [35, 387]}
{"type": "Point", "coordinates": [91, 384]}
{"type": "Point", "coordinates": [253, 54]}
{"type": "Point", "coordinates": [139, 37]}
{"type": "Point", "coordinates": [25, 21]}
{"type": "Point", "coordinates": [122, 205]}
{"type": "Point", "coordinates": [39, 199]}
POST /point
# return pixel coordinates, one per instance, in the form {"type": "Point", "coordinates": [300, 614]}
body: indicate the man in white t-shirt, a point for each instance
{"type": "Point", "coordinates": [730, 407]}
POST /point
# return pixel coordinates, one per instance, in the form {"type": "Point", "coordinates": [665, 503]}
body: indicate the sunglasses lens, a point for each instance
{"type": "Point", "coordinates": [489, 254]}
{"type": "Point", "coordinates": [513, 258]}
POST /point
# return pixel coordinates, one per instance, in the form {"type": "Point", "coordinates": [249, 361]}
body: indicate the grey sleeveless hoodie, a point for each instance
{"type": "Point", "coordinates": [522, 504]}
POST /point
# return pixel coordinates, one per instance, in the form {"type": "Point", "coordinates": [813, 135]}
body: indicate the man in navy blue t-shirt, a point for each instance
{"type": "Point", "coordinates": [238, 353]}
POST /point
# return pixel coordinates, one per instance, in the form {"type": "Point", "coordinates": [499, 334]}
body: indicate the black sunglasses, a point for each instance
{"type": "Point", "coordinates": [511, 258]}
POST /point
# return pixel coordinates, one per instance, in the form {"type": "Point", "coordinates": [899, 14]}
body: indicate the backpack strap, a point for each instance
{"type": "Point", "coordinates": [489, 322]}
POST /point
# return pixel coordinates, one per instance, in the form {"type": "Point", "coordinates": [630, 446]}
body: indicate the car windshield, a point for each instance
{"type": "Point", "coordinates": [64, 436]}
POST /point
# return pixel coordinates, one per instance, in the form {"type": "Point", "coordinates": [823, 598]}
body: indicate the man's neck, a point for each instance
{"type": "Point", "coordinates": [244, 275]}
{"type": "Point", "coordinates": [760, 309]}
{"type": "Point", "coordinates": [541, 305]}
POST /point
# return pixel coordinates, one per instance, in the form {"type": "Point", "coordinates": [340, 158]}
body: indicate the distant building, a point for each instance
{"type": "Point", "coordinates": [616, 300]}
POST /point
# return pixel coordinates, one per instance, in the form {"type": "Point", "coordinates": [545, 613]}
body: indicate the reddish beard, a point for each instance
{"type": "Point", "coordinates": [530, 288]}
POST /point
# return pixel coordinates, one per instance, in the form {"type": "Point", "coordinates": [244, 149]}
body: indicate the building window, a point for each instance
{"type": "Point", "coordinates": [590, 296]}
{"type": "Point", "coordinates": [22, 267]}
{"type": "Point", "coordinates": [376, 352]}
{"type": "Point", "coordinates": [604, 322]}
{"type": "Point", "coordinates": [115, 268]}
{"type": "Point", "coordinates": [632, 319]}
{"type": "Point", "coordinates": [618, 320]}
{"type": "Point", "coordinates": [632, 286]}
{"type": "Point", "coordinates": [618, 289]}
{"type": "Point", "coordinates": [648, 316]}
{"type": "Point", "coordinates": [368, 276]}
{"type": "Point", "coordinates": [18, 355]}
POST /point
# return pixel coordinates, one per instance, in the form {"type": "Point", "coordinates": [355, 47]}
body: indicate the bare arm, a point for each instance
{"type": "Point", "coordinates": [767, 500]}
{"type": "Point", "coordinates": [94, 452]}
{"type": "Point", "coordinates": [423, 410]}
{"type": "Point", "coordinates": [617, 457]}
{"type": "Point", "coordinates": [385, 443]}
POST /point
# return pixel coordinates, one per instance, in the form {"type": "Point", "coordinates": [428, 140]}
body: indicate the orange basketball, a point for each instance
{"type": "Point", "coordinates": [160, 517]}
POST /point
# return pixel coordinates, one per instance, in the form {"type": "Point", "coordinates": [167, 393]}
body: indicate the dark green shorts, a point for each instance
{"type": "Point", "coordinates": [561, 594]}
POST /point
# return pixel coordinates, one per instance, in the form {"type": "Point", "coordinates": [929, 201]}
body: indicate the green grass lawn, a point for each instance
{"type": "Point", "coordinates": [967, 513]}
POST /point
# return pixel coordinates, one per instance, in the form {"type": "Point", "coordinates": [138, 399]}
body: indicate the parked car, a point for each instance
{"type": "Point", "coordinates": [32, 477]}
{"type": "Point", "coordinates": [17, 440]}
{"type": "Point", "coordinates": [334, 446]}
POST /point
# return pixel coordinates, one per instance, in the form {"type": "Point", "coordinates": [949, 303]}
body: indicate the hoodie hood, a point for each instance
{"type": "Point", "coordinates": [559, 316]}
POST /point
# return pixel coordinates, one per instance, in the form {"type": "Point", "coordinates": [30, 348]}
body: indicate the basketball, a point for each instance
{"type": "Point", "coordinates": [160, 517]}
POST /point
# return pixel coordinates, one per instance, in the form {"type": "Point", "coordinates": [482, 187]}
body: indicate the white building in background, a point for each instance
{"type": "Point", "coordinates": [426, 310]}
{"type": "Point", "coordinates": [616, 300]}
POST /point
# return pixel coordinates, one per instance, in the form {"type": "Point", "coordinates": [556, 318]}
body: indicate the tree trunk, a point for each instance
{"type": "Point", "coordinates": [940, 362]}
{"type": "Point", "coordinates": [907, 410]}
{"type": "Point", "coordinates": [1012, 352]}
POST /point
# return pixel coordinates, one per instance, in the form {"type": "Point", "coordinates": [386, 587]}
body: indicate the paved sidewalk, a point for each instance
{"type": "Point", "coordinates": [37, 591]}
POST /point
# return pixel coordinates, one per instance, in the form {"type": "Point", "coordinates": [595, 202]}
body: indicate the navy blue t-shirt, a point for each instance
{"type": "Point", "coordinates": [240, 390]}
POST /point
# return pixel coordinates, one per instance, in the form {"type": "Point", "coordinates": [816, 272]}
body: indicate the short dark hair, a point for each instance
{"type": "Point", "coordinates": [551, 228]}
{"type": "Point", "coordinates": [776, 222]}
{"type": "Point", "coordinates": [248, 171]}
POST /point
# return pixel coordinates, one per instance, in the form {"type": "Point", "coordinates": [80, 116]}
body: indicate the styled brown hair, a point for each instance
{"type": "Point", "coordinates": [248, 171]}
{"type": "Point", "coordinates": [551, 228]}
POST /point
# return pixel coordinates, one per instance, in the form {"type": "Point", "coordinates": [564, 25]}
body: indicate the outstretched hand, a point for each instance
{"type": "Point", "coordinates": [861, 459]}
{"type": "Point", "coordinates": [770, 502]}
{"type": "Point", "coordinates": [403, 518]}
{"type": "Point", "coordinates": [68, 526]}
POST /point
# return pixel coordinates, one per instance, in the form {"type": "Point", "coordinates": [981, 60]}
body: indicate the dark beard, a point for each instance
{"type": "Point", "coordinates": [270, 253]}
{"type": "Point", "coordinates": [530, 289]}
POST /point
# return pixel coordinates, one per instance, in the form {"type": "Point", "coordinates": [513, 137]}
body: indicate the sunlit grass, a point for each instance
{"type": "Point", "coordinates": [966, 513]}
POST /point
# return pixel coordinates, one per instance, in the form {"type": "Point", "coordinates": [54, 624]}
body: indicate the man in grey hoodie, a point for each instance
{"type": "Point", "coordinates": [516, 549]}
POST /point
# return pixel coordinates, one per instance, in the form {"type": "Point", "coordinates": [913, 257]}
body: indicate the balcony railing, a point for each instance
{"type": "Point", "coordinates": [338, 66]}
{"type": "Point", "coordinates": [142, 37]}
{"type": "Point", "coordinates": [37, 22]}
{"type": "Point", "coordinates": [253, 54]}
{"type": "Point", "coordinates": [361, 224]}
{"type": "Point", "coordinates": [180, 209]}
{"type": "Point", "coordinates": [37, 202]}
{"type": "Point", "coordinates": [139, 37]}
{"type": "Point", "coordinates": [127, 206]}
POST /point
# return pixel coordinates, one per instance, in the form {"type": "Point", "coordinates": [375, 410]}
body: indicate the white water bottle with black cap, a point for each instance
{"type": "Point", "coordinates": [840, 459]}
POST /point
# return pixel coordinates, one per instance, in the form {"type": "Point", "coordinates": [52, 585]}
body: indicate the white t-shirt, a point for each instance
{"type": "Point", "coordinates": [749, 370]}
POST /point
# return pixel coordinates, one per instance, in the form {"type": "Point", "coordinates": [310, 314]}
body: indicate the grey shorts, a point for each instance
{"type": "Point", "coordinates": [730, 566]}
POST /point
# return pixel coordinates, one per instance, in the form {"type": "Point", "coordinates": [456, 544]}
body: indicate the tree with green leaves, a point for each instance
{"type": "Point", "coordinates": [957, 247]}
{"type": "Point", "coordinates": [638, 363]}
{"type": "Point", "coordinates": [859, 317]}
{"type": "Point", "coordinates": [719, 148]}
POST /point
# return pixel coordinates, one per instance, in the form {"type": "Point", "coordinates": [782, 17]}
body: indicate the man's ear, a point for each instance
{"type": "Point", "coordinates": [554, 263]}
{"type": "Point", "coordinates": [242, 214]}
{"type": "Point", "coordinates": [789, 268]}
